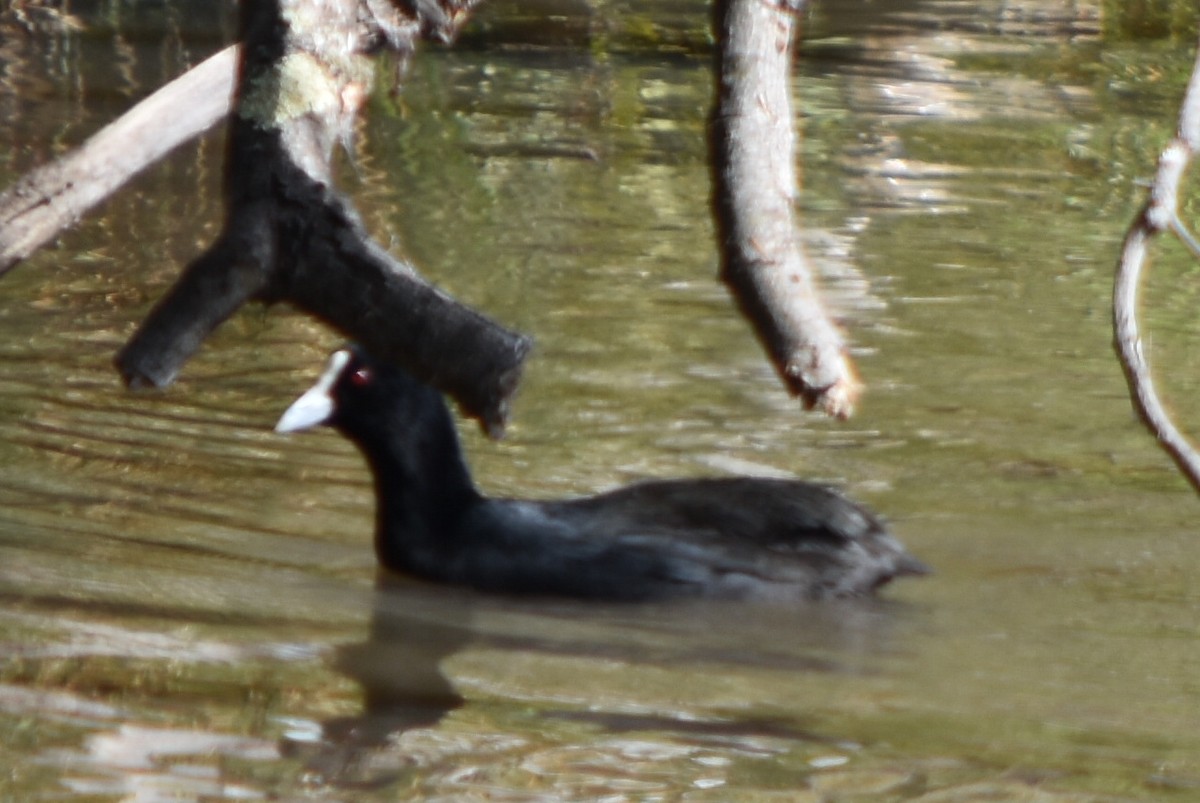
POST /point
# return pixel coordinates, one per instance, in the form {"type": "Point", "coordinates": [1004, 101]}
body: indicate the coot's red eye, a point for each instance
{"type": "Point", "coordinates": [361, 377]}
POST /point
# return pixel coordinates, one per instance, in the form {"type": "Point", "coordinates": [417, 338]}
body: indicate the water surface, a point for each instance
{"type": "Point", "coordinates": [190, 606]}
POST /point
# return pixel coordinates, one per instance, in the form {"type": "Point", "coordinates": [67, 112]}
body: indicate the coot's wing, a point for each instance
{"type": "Point", "coordinates": [744, 537]}
{"type": "Point", "coordinates": [553, 548]}
{"type": "Point", "coordinates": [768, 513]}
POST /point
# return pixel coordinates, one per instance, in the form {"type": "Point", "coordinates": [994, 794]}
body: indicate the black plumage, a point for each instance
{"type": "Point", "coordinates": [740, 537]}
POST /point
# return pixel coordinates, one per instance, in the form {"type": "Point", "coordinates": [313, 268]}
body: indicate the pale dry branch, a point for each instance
{"type": "Point", "coordinates": [52, 198]}
{"type": "Point", "coordinates": [755, 188]}
{"type": "Point", "coordinates": [1159, 214]}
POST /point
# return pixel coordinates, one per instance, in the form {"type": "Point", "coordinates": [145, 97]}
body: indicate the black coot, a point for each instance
{"type": "Point", "coordinates": [739, 538]}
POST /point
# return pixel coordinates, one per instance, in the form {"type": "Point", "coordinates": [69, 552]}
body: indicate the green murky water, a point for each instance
{"type": "Point", "coordinates": [189, 605]}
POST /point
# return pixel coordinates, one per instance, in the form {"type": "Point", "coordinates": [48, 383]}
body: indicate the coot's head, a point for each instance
{"type": "Point", "coordinates": [364, 398]}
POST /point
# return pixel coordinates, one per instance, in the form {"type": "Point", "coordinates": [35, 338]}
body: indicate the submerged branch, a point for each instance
{"type": "Point", "coordinates": [1158, 215]}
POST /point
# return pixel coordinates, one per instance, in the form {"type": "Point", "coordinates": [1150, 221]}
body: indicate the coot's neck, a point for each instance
{"type": "Point", "coordinates": [422, 484]}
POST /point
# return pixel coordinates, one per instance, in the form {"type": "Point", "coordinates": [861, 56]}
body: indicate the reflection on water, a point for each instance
{"type": "Point", "coordinates": [545, 673]}
{"type": "Point", "coordinates": [190, 607]}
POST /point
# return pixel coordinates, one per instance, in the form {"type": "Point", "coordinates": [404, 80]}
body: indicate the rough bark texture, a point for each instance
{"type": "Point", "coordinates": [288, 235]}
{"type": "Point", "coordinates": [48, 200]}
{"type": "Point", "coordinates": [753, 151]}
{"type": "Point", "coordinates": [1160, 214]}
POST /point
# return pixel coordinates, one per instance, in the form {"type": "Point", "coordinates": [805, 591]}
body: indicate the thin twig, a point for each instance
{"type": "Point", "coordinates": [1158, 215]}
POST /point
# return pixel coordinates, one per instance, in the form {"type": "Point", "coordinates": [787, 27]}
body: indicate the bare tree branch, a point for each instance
{"type": "Point", "coordinates": [299, 94]}
{"type": "Point", "coordinates": [290, 236]}
{"type": "Point", "coordinates": [54, 197]}
{"type": "Point", "coordinates": [305, 72]}
{"type": "Point", "coordinates": [1158, 215]}
{"type": "Point", "coordinates": [753, 143]}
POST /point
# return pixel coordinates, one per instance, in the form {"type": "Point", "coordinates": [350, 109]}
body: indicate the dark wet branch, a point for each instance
{"type": "Point", "coordinates": [304, 73]}
{"type": "Point", "coordinates": [1160, 214]}
{"type": "Point", "coordinates": [395, 314]}
{"type": "Point", "coordinates": [289, 236]}
{"type": "Point", "coordinates": [211, 289]}
{"type": "Point", "coordinates": [753, 151]}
